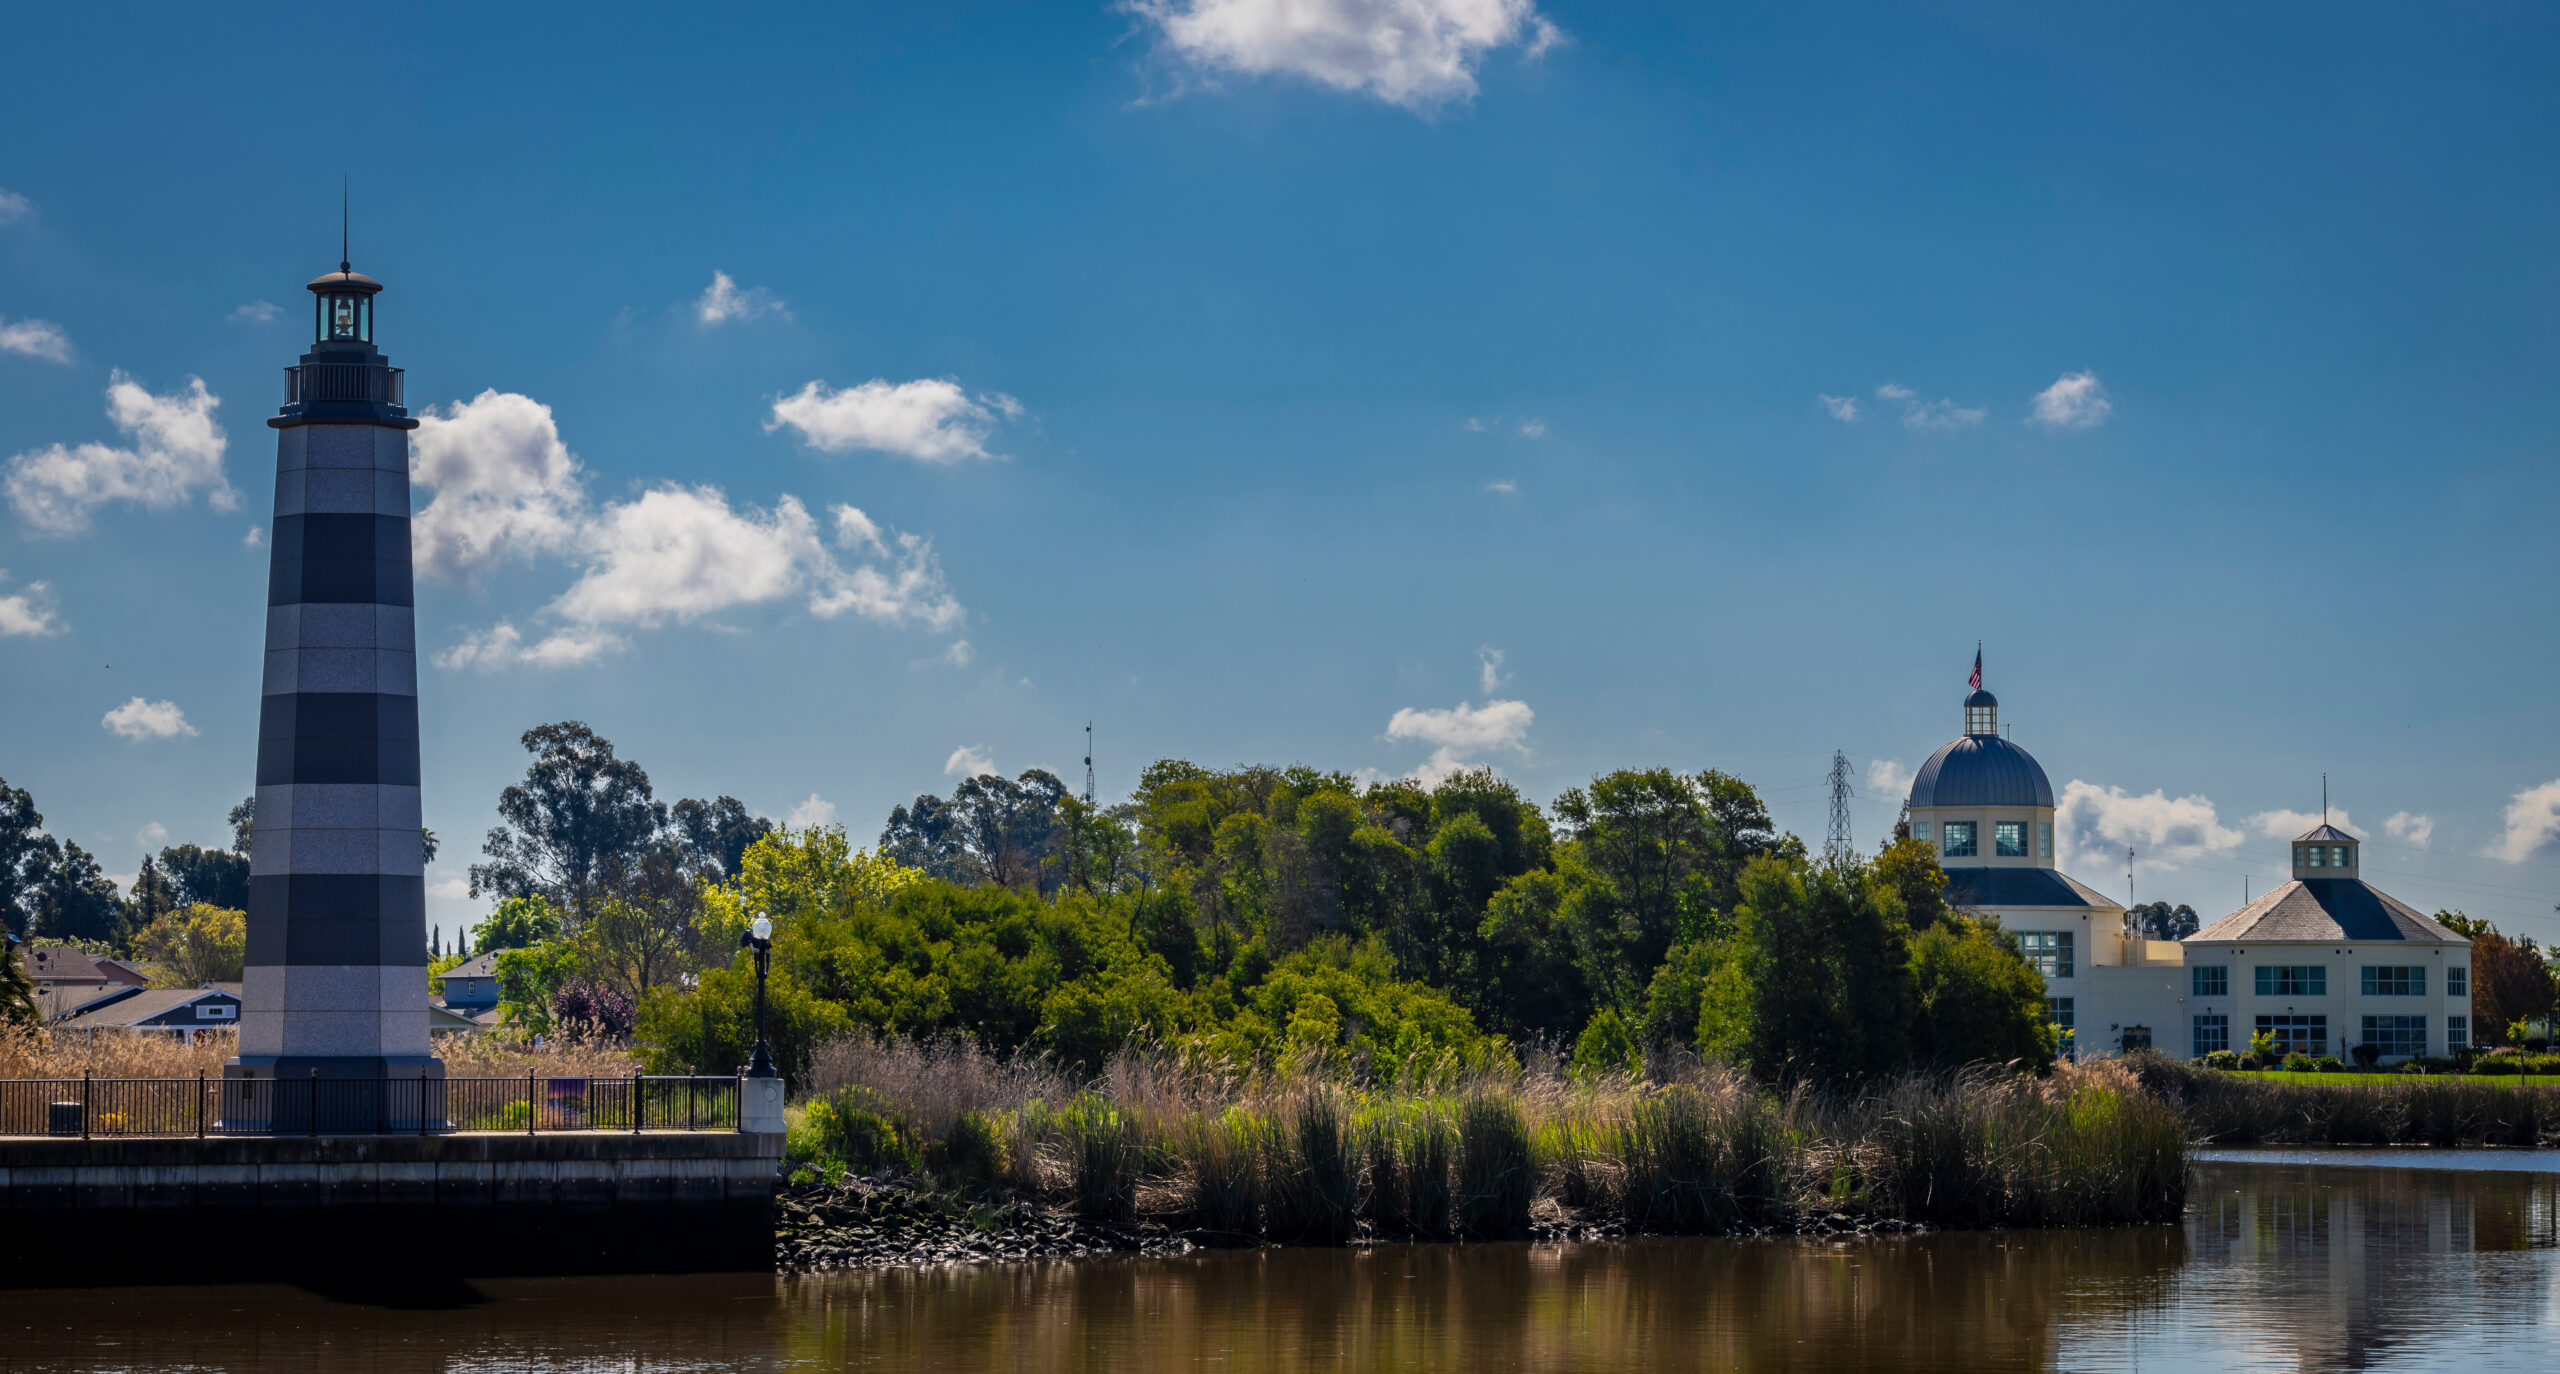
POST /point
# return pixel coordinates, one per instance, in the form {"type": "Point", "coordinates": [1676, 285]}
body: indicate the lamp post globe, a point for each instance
{"type": "Point", "coordinates": [760, 939]}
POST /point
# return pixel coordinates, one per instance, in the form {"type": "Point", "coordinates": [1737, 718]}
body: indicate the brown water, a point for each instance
{"type": "Point", "coordinates": [2304, 1265]}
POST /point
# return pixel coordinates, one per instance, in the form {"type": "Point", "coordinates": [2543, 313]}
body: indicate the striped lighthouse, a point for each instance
{"type": "Point", "coordinates": [336, 983]}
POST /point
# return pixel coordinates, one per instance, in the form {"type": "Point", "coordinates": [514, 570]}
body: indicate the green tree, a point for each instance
{"type": "Point", "coordinates": [518, 923]}
{"type": "Point", "coordinates": [72, 900]}
{"type": "Point", "coordinates": [528, 979]}
{"type": "Point", "coordinates": [22, 859]}
{"type": "Point", "coordinates": [1975, 998]}
{"type": "Point", "coordinates": [1824, 950]}
{"type": "Point", "coordinates": [213, 877]}
{"type": "Point", "coordinates": [195, 945]}
{"type": "Point", "coordinates": [150, 899]}
{"type": "Point", "coordinates": [1605, 1047]}
{"type": "Point", "coordinates": [17, 987]}
{"type": "Point", "coordinates": [580, 815]}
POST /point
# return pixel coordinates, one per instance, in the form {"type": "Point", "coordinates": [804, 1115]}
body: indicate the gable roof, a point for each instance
{"type": "Point", "coordinates": [62, 964]}
{"type": "Point", "coordinates": [56, 1001]}
{"type": "Point", "coordinates": [2000, 887]}
{"type": "Point", "coordinates": [150, 1003]}
{"type": "Point", "coordinates": [481, 966]}
{"type": "Point", "coordinates": [2327, 832]}
{"type": "Point", "coordinates": [2329, 910]}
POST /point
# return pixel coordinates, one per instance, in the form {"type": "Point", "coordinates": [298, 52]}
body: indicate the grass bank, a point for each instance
{"type": "Point", "coordinates": [1310, 1156]}
{"type": "Point", "coordinates": [2228, 1108]}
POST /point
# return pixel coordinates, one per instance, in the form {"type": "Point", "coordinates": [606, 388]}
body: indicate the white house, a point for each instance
{"type": "Point", "coordinates": [2324, 963]}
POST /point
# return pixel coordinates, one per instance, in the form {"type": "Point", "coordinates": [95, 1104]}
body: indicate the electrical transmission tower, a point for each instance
{"type": "Point", "coordinates": [1836, 846]}
{"type": "Point", "coordinates": [1088, 765]}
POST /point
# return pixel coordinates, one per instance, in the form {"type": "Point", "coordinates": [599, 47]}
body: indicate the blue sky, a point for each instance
{"type": "Point", "coordinates": [1420, 383]}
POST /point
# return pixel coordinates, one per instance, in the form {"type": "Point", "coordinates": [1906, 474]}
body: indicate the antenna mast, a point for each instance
{"type": "Point", "coordinates": [1088, 765]}
{"type": "Point", "coordinates": [1836, 846]}
{"type": "Point", "coordinates": [346, 187]}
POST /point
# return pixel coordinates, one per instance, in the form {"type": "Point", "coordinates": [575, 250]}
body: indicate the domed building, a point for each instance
{"type": "Point", "coordinates": [2323, 964]}
{"type": "Point", "coordinates": [1987, 808]}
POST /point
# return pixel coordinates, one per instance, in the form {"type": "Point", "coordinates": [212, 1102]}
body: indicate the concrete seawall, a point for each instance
{"type": "Point", "coordinates": [341, 1208]}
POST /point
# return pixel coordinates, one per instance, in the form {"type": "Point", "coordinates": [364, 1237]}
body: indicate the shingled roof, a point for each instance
{"type": "Point", "coordinates": [2003, 887]}
{"type": "Point", "coordinates": [2330, 910]}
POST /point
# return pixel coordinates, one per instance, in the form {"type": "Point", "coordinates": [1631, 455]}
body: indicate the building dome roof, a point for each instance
{"type": "Point", "coordinates": [1981, 697]}
{"type": "Point", "coordinates": [1981, 770]}
{"type": "Point", "coordinates": [343, 280]}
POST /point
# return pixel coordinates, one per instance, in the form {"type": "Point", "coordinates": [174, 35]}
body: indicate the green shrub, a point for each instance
{"type": "Point", "coordinates": [1497, 1175]}
{"type": "Point", "coordinates": [973, 1155]}
{"type": "Point", "coordinates": [2222, 1059]}
{"type": "Point", "coordinates": [2328, 1063]}
{"type": "Point", "coordinates": [2297, 1062]}
{"type": "Point", "coordinates": [851, 1127]}
{"type": "Point", "coordinates": [1105, 1153]}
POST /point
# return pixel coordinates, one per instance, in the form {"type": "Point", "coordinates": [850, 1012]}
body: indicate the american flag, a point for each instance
{"type": "Point", "coordinates": [1975, 681]}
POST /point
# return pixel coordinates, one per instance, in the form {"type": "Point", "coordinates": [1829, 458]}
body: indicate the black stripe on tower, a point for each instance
{"type": "Point", "coordinates": [338, 918]}
{"type": "Point", "coordinates": [340, 558]}
{"type": "Point", "coordinates": [355, 737]}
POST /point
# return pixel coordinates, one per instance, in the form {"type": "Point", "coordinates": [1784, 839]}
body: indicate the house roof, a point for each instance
{"type": "Point", "coordinates": [2004, 887]}
{"type": "Point", "coordinates": [125, 971]}
{"type": "Point", "coordinates": [1981, 770]}
{"type": "Point", "coordinates": [149, 1003]}
{"type": "Point", "coordinates": [2328, 910]}
{"type": "Point", "coordinates": [63, 964]}
{"type": "Point", "coordinates": [62, 999]}
{"type": "Point", "coordinates": [2327, 832]}
{"type": "Point", "coordinates": [482, 966]}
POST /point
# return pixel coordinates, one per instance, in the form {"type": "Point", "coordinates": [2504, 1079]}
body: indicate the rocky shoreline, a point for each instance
{"type": "Point", "coordinates": [887, 1223]}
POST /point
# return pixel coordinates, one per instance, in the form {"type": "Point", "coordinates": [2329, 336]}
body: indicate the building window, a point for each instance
{"type": "Point", "coordinates": [1959, 839]}
{"type": "Point", "coordinates": [2009, 839]}
{"type": "Point", "coordinates": [2293, 980]}
{"type": "Point", "coordinates": [2457, 1034]}
{"type": "Point", "coordinates": [2134, 1038]}
{"type": "Point", "coordinates": [1920, 831]}
{"type": "Point", "coordinates": [2048, 950]}
{"type": "Point", "coordinates": [2044, 839]}
{"type": "Point", "coordinates": [2457, 981]}
{"type": "Point", "coordinates": [2212, 1033]}
{"type": "Point", "coordinates": [2398, 1037]}
{"type": "Point", "coordinates": [2395, 980]}
{"type": "Point", "coordinates": [213, 1011]}
{"type": "Point", "coordinates": [2212, 980]}
{"type": "Point", "coordinates": [2296, 1034]}
{"type": "Point", "coordinates": [2337, 856]}
{"type": "Point", "coordinates": [2057, 1013]}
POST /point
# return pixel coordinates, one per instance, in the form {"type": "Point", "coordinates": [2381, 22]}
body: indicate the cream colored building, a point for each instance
{"type": "Point", "coordinates": [2323, 963]}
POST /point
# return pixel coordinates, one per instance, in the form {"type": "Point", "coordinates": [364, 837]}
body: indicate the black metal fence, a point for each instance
{"type": "Point", "coordinates": [310, 1105]}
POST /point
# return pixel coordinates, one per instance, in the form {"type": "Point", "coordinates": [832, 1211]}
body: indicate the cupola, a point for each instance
{"type": "Point", "coordinates": [2327, 852]}
{"type": "Point", "coordinates": [342, 314]}
{"type": "Point", "coordinates": [1981, 713]}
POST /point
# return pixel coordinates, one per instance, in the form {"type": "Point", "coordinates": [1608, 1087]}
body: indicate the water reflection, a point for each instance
{"type": "Point", "coordinates": [2304, 1266]}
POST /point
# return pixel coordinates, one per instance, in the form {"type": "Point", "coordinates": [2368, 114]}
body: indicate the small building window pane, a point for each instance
{"type": "Point", "coordinates": [2297, 1034]}
{"type": "Point", "coordinates": [2337, 856]}
{"type": "Point", "coordinates": [2457, 981]}
{"type": "Point", "coordinates": [2318, 854]}
{"type": "Point", "coordinates": [2395, 980]}
{"type": "Point", "coordinates": [1959, 839]}
{"type": "Point", "coordinates": [2048, 950]}
{"type": "Point", "coordinates": [2212, 1033]}
{"type": "Point", "coordinates": [2009, 839]}
{"type": "Point", "coordinates": [1920, 830]}
{"type": "Point", "coordinates": [2398, 1037]}
{"type": "Point", "coordinates": [2293, 980]}
{"type": "Point", "coordinates": [2212, 980]}
{"type": "Point", "coordinates": [2457, 1034]}
{"type": "Point", "coordinates": [2057, 1012]}
{"type": "Point", "coordinates": [2044, 839]}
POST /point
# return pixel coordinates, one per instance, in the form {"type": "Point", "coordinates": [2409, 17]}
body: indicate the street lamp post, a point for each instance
{"type": "Point", "coordinates": [760, 938]}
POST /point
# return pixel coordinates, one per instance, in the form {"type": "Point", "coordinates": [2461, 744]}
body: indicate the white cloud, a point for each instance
{"type": "Point", "coordinates": [35, 339]}
{"type": "Point", "coordinates": [503, 646]}
{"type": "Point", "coordinates": [152, 835]}
{"type": "Point", "coordinates": [256, 538]}
{"type": "Point", "coordinates": [959, 655]}
{"type": "Point", "coordinates": [29, 610]}
{"type": "Point", "coordinates": [1461, 732]}
{"type": "Point", "coordinates": [930, 420]}
{"type": "Point", "coordinates": [2533, 822]}
{"type": "Point", "coordinates": [1414, 53]}
{"type": "Point", "coordinates": [902, 586]}
{"type": "Point", "coordinates": [1888, 781]}
{"type": "Point", "coordinates": [1535, 429]}
{"type": "Point", "coordinates": [969, 761]}
{"type": "Point", "coordinates": [1503, 487]}
{"type": "Point", "coordinates": [451, 889]}
{"type": "Point", "coordinates": [2417, 829]}
{"type": "Point", "coordinates": [811, 813]}
{"type": "Point", "coordinates": [1941, 416]}
{"type": "Point", "coordinates": [139, 719]}
{"type": "Point", "coordinates": [2074, 401]}
{"type": "Point", "coordinates": [1474, 425]}
{"type": "Point", "coordinates": [177, 452]}
{"type": "Point", "coordinates": [1489, 668]}
{"type": "Point", "coordinates": [256, 312]}
{"type": "Point", "coordinates": [1842, 408]}
{"type": "Point", "coordinates": [15, 207]}
{"type": "Point", "coordinates": [505, 486]}
{"type": "Point", "coordinates": [722, 302]}
{"type": "Point", "coordinates": [2094, 826]}
{"type": "Point", "coordinates": [2283, 824]}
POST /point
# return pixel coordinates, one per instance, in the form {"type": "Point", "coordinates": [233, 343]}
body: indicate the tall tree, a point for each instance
{"type": "Point", "coordinates": [2161, 921]}
{"type": "Point", "coordinates": [715, 835]}
{"type": "Point", "coordinates": [195, 945]}
{"type": "Point", "coordinates": [17, 986]}
{"type": "Point", "coordinates": [214, 877]}
{"type": "Point", "coordinates": [993, 830]}
{"type": "Point", "coordinates": [22, 857]}
{"type": "Point", "coordinates": [244, 822]}
{"type": "Point", "coordinates": [1824, 950]}
{"type": "Point", "coordinates": [580, 814]}
{"type": "Point", "coordinates": [74, 900]}
{"type": "Point", "coordinates": [150, 898]}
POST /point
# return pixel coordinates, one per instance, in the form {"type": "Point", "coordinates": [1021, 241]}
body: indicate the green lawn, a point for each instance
{"type": "Point", "coordinates": [2535, 1080]}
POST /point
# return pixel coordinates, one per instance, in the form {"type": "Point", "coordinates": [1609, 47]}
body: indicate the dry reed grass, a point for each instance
{"type": "Point", "coordinates": [37, 1053]}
